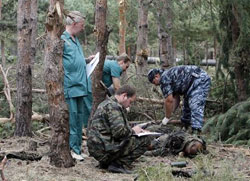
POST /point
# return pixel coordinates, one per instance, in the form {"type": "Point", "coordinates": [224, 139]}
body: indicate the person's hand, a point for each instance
{"type": "Point", "coordinates": [165, 121]}
{"type": "Point", "coordinates": [175, 121]}
{"type": "Point", "coordinates": [91, 57]}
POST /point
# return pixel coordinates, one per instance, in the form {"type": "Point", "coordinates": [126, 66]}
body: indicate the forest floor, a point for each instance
{"type": "Point", "coordinates": [223, 162]}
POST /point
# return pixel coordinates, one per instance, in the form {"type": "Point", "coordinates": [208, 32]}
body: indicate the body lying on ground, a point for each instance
{"type": "Point", "coordinates": [175, 142]}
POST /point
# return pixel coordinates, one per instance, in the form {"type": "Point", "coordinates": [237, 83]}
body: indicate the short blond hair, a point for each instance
{"type": "Point", "coordinates": [74, 16]}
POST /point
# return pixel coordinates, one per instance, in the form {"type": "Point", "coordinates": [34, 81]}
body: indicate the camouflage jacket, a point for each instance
{"type": "Point", "coordinates": [110, 128]}
{"type": "Point", "coordinates": [179, 79]}
{"type": "Point", "coordinates": [173, 143]}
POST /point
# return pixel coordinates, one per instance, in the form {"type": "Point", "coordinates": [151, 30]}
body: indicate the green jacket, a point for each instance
{"type": "Point", "coordinates": [109, 130]}
{"type": "Point", "coordinates": [111, 68]}
{"type": "Point", "coordinates": [76, 83]}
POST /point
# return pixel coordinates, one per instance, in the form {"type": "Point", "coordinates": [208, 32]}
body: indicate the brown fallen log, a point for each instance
{"type": "Point", "coordinates": [33, 90]}
{"type": "Point", "coordinates": [35, 117]}
{"type": "Point", "coordinates": [21, 155]}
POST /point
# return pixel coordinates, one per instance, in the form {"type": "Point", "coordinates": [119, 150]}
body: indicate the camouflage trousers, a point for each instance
{"type": "Point", "coordinates": [133, 149]}
{"type": "Point", "coordinates": [195, 100]}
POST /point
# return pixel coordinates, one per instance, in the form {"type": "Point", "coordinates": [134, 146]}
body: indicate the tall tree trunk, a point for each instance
{"type": "Point", "coordinates": [215, 57]}
{"type": "Point", "coordinates": [164, 17]}
{"type": "Point", "coordinates": [122, 25]}
{"type": "Point", "coordinates": [33, 24]}
{"type": "Point", "coordinates": [3, 61]}
{"type": "Point", "coordinates": [102, 35]}
{"type": "Point", "coordinates": [122, 31]}
{"type": "Point", "coordinates": [1, 5]}
{"type": "Point", "coordinates": [239, 66]}
{"type": "Point", "coordinates": [3, 53]}
{"type": "Point", "coordinates": [185, 55]}
{"type": "Point", "coordinates": [142, 37]}
{"type": "Point", "coordinates": [59, 117]}
{"type": "Point", "coordinates": [24, 75]}
{"type": "Point", "coordinates": [240, 81]}
{"type": "Point", "coordinates": [206, 54]}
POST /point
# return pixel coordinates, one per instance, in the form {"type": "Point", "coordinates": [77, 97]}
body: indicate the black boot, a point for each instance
{"type": "Point", "coordinates": [117, 168]}
{"type": "Point", "coordinates": [103, 165]}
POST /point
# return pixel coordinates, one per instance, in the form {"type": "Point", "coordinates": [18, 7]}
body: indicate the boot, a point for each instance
{"type": "Point", "coordinates": [117, 168]}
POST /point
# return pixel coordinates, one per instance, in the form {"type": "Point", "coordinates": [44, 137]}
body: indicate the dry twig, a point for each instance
{"type": "Point", "coordinates": [7, 94]}
{"type": "Point", "coordinates": [146, 173]}
{"type": "Point", "coordinates": [2, 164]}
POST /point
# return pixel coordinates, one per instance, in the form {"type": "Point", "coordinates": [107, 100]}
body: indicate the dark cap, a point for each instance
{"type": "Point", "coordinates": [152, 73]}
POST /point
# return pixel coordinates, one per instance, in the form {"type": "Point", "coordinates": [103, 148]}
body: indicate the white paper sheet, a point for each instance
{"type": "Point", "coordinates": [148, 134]}
{"type": "Point", "coordinates": [91, 65]}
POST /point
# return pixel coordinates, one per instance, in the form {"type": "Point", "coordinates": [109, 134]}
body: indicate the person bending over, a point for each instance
{"type": "Point", "coordinates": [190, 81]}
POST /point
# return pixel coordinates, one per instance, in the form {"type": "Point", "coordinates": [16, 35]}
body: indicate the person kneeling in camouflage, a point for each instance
{"type": "Point", "coordinates": [111, 140]}
{"type": "Point", "coordinates": [177, 142]}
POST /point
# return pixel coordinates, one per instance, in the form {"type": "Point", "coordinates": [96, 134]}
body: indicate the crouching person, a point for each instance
{"type": "Point", "coordinates": [111, 140]}
{"type": "Point", "coordinates": [177, 142]}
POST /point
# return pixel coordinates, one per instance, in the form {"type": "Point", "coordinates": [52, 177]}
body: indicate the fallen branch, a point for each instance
{"type": "Point", "coordinates": [2, 164]}
{"type": "Point", "coordinates": [33, 90]}
{"type": "Point", "coordinates": [155, 101]}
{"type": "Point", "coordinates": [146, 115]}
{"type": "Point", "coordinates": [39, 117]}
{"type": "Point", "coordinates": [4, 120]}
{"type": "Point", "coordinates": [21, 155]}
{"type": "Point", "coordinates": [40, 132]}
{"type": "Point", "coordinates": [35, 117]}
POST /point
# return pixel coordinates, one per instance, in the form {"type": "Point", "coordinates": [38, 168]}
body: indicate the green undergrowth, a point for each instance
{"type": "Point", "coordinates": [232, 127]}
{"type": "Point", "coordinates": [7, 129]}
{"type": "Point", "coordinates": [203, 167]}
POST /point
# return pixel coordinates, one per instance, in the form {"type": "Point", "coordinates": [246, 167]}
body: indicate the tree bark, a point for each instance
{"type": "Point", "coordinates": [142, 37]}
{"type": "Point", "coordinates": [2, 41]}
{"type": "Point", "coordinates": [122, 25]}
{"type": "Point", "coordinates": [239, 66]}
{"type": "Point", "coordinates": [3, 53]}
{"type": "Point", "coordinates": [185, 55]}
{"type": "Point", "coordinates": [206, 54]}
{"type": "Point", "coordinates": [122, 31]}
{"type": "Point", "coordinates": [165, 24]}
{"type": "Point", "coordinates": [59, 118]}
{"type": "Point", "coordinates": [1, 5]}
{"type": "Point", "coordinates": [24, 72]}
{"type": "Point", "coordinates": [102, 35]}
{"type": "Point", "coordinates": [240, 81]}
{"type": "Point", "coordinates": [33, 24]}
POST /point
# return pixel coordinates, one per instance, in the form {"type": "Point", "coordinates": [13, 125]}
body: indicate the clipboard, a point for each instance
{"type": "Point", "coordinates": [90, 67]}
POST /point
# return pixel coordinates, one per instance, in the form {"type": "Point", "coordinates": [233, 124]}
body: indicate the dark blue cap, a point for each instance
{"type": "Point", "coordinates": [152, 73]}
